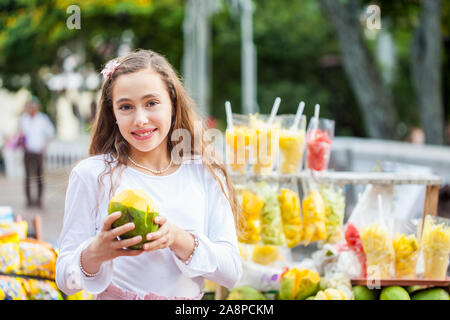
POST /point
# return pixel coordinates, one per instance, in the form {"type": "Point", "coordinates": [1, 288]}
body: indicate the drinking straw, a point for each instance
{"type": "Point", "coordinates": [315, 120]}
{"type": "Point", "coordinates": [274, 111]}
{"type": "Point", "coordinates": [229, 117]}
{"type": "Point", "coordinates": [380, 208]}
{"type": "Point", "coordinates": [298, 115]}
{"type": "Point", "coordinates": [316, 112]}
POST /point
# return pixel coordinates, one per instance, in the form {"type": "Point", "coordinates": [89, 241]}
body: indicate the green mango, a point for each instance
{"type": "Point", "coordinates": [245, 293]}
{"type": "Point", "coordinates": [306, 289]}
{"type": "Point", "coordinates": [287, 289]}
{"type": "Point", "coordinates": [299, 284]}
{"type": "Point", "coordinates": [431, 294]}
{"type": "Point", "coordinates": [137, 207]}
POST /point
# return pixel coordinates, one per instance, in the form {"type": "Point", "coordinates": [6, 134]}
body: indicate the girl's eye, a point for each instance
{"type": "Point", "coordinates": [152, 103]}
{"type": "Point", "coordinates": [125, 107]}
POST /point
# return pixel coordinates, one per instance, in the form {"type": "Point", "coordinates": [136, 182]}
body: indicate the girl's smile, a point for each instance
{"type": "Point", "coordinates": [143, 134]}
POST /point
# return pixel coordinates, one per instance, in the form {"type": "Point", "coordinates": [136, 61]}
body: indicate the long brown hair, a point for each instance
{"type": "Point", "coordinates": [107, 139]}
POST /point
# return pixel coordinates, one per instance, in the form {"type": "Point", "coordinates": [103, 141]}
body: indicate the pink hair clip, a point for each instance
{"type": "Point", "coordinates": [110, 68]}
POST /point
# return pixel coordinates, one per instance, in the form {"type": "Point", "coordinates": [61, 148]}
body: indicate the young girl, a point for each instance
{"type": "Point", "coordinates": [142, 103]}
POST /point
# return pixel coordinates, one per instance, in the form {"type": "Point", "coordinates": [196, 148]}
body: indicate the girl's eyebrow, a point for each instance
{"type": "Point", "coordinates": [149, 95]}
{"type": "Point", "coordinates": [122, 99]}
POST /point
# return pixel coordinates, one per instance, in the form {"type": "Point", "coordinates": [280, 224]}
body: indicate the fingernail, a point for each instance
{"type": "Point", "coordinates": [139, 238]}
{"type": "Point", "coordinates": [149, 236]}
{"type": "Point", "coordinates": [131, 224]}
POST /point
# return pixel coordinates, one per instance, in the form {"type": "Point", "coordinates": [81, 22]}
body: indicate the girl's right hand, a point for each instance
{"type": "Point", "coordinates": [106, 246]}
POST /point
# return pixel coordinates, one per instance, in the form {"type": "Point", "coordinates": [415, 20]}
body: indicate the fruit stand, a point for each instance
{"type": "Point", "coordinates": [291, 203]}
{"type": "Point", "coordinates": [432, 183]}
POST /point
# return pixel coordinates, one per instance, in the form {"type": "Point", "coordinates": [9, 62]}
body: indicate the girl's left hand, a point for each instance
{"type": "Point", "coordinates": [162, 238]}
{"type": "Point", "coordinates": [170, 236]}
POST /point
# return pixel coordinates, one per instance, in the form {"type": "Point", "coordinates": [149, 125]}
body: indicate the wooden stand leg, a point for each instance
{"type": "Point", "coordinates": [221, 293]}
{"type": "Point", "coordinates": [431, 204]}
{"type": "Point", "coordinates": [431, 200]}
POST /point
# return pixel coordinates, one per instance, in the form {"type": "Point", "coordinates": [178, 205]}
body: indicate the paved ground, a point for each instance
{"type": "Point", "coordinates": [12, 194]}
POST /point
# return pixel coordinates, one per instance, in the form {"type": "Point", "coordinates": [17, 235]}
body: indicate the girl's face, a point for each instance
{"type": "Point", "coordinates": [143, 110]}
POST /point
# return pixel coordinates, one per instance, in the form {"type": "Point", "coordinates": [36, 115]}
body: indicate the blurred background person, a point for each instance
{"type": "Point", "coordinates": [36, 130]}
{"type": "Point", "coordinates": [416, 135]}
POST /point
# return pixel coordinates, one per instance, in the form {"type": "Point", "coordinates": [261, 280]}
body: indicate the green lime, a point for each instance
{"type": "Point", "coordinates": [431, 294]}
{"type": "Point", "coordinates": [363, 293]}
{"type": "Point", "coordinates": [394, 293]}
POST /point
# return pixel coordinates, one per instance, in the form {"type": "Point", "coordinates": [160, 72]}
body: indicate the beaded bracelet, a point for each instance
{"type": "Point", "coordinates": [87, 274]}
{"type": "Point", "coordinates": [193, 251]}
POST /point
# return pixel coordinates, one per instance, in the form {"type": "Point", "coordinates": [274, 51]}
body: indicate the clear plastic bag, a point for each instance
{"type": "Point", "coordinates": [406, 248]}
{"type": "Point", "coordinates": [263, 265]}
{"type": "Point", "coordinates": [319, 138]}
{"type": "Point", "coordinates": [334, 199]}
{"type": "Point", "coordinates": [339, 281]}
{"type": "Point", "coordinates": [291, 144]}
{"type": "Point", "coordinates": [313, 214]}
{"type": "Point", "coordinates": [251, 205]}
{"type": "Point", "coordinates": [19, 227]}
{"type": "Point", "coordinates": [264, 150]}
{"type": "Point", "coordinates": [9, 253]}
{"type": "Point", "coordinates": [371, 217]}
{"type": "Point", "coordinates": [290, 207]}
{"type": "Point", "coordinates": [263, 278]}
{"type": "Point", "coordinates": [11, 288]}
{"type": "Point", "coordinates": [238, 142]}
{"type": "Point", "coordinates": [435, 246]}
{"type": "Point", "coordinates": [37, 258]}
{"type": "Point", "coordinates": [355, 252]}
{"type": "Point", "coordinates": [270, 217]}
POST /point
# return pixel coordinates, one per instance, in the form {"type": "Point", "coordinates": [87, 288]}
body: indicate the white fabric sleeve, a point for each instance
{"type": "Point", "coordinates": [217, 256]}
{"type": "Point", "coordinates": [77, 233]}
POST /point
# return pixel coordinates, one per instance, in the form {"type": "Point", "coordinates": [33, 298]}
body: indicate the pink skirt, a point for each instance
{"type": "Point", "coordinates": [115, 293]}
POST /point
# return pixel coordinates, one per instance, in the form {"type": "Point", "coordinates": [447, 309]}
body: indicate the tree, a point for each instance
{"type": "Point", "coordinates": [35, 40]}
{"type": "Point", "coordinates": [426, 70]}
{"type": "Point", "coordinates": [375, 100]}
{"type": "Point", "coordinates": [424, 56]}
{"type": "Point", "coordinates": [294, 41]}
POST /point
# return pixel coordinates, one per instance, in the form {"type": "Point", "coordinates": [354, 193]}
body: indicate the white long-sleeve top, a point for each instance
{"type": "Point", "coordinates": [189, 198]}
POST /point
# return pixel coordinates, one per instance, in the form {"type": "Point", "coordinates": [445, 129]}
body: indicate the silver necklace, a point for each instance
{"type": "Point", "coordinates": [149, 169]}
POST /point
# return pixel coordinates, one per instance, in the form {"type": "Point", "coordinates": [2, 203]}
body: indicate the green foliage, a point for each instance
{"type": "Point", "coordinates": [297, 50]}
{"type": "Point", "coordinates": [34, 35]}
{"type": "Point", "coordinates": [40, 26]}
{"type": "Point", "coordinates": [297, 59]}
{"type": "Point", "coordinates": [401, 18]}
